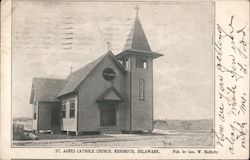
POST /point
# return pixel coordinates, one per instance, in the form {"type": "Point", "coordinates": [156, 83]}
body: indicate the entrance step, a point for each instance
{"type": "Point", "coordinates": [110, 131]}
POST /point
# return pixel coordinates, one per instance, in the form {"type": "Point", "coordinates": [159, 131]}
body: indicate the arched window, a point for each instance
{"type": "Point", "coordinates": [125, 63]}
{"type": "Point", "coordinates": [141, 89]}
{"type": "Point", "coordinates": [141, 62]}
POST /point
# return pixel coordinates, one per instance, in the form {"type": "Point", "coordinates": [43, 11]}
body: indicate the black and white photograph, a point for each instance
{"type": "Point", "coordinates": [121, 79]}
{"type": "Point", "coordinates": [112, 74]}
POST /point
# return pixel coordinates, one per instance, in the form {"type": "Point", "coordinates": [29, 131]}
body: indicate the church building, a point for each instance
{"type": "Point", "coordinates": [112, 93]}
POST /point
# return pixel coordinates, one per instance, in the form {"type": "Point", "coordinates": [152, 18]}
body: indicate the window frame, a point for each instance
{"type": "Point", "coordinates": [63, 110]}
{"type": "Point", "coordinates": [72, 110]}
{"type": "Point", "coordinates": [141, 62]}
{"type": "Point", "coordinates": [125, 63]}
{"type": "Point", "coordinates": [141, 89]}
{"type": "Point", "coordinates": [34, 115]}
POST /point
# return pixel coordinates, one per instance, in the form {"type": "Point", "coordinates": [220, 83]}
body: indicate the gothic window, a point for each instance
{"type": "Point", "coordinates": [72, 109]}
{"type": "Point", "coordinates": [141, 62]}
{"type": "Point", "coordinates": [125, 64]}
{"type": "Point", "coordinates": [141, 89]}
{"type": "Point", "coordinates": [63, 111]}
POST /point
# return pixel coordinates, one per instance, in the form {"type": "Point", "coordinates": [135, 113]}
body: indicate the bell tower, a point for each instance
{"type": "Point", "coordinates": [137, 59]}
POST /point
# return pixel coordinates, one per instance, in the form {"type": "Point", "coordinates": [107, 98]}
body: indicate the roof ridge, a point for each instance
{"type": "Point", "coordinates": [117, 62]}
{"type": "Point", "coordinates": [99, 59]}
{"type": "Point", "coordinates": [102, 56]}
{"type": "Point", "coordinates": [69, 87]}
{"type": "Point", "coordinates": [133, 30]}
{"type": "Point", "coordinates": [91, 62]}
{"type": "Point", "coordinates": [46, 89]}
{"type": "Point", "coordinates": [137, 38]}
{"type": "Point", "coordinates": [76, 78]}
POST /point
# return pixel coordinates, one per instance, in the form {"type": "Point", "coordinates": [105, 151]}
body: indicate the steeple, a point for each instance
{"type": "Point", "coordinates": [137, 39]}
{"type": "Point", "coordinates": [137, 59]}
{"type": "Point", "coordinates": [137, 43]}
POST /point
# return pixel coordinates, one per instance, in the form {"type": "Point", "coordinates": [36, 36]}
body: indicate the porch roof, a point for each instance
{"type": "Point", "coordinates": [110, 94]}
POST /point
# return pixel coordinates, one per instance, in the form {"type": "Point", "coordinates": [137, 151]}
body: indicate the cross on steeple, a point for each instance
{"type": "Point", "coordinates": [108, 45]}
{"type": "Point", "coordinates": [137, 9]}
{"type": "Point", "coordinates": [137, 39]}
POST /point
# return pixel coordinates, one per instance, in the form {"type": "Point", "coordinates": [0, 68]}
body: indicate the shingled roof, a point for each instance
{"type": "Point", "coordinates": [76, 78]}
{"type": "Point", "coordinates": [45, 89]}
{"type": "Point", "coordinates": [137, 43]}
{"type": "Point", "coordinates": [137, 39]}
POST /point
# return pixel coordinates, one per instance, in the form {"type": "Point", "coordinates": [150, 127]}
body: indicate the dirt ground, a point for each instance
{"type": "Point", "coordinates": [175, 139]}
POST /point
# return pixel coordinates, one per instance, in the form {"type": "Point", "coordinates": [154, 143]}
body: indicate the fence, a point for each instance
{"type": "Point", "coordinates": [18, 132]}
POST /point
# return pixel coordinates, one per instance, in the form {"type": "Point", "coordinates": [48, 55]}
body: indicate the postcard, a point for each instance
{"type": "Point", "coordinates": [116, 79]}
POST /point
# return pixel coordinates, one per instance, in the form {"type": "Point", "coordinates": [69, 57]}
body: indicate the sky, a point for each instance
{"type": "Point", "coordinates": [50, 37]}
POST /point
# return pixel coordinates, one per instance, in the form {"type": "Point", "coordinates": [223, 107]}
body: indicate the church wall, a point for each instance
{"type": "Point", "coordinates": [69, 124]}
{"type": "Point", "coordinates": [142, 110]}
{"type": "Point", "coordinates": [127, 122]}
{"type": "Point", "coordinates": [92, 87]}
{"type": "Point", "coordinates": [34, 122]}
{"type": "Point", "coordinates": [44, 117]}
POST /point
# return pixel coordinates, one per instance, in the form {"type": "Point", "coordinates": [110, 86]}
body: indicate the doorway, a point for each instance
{"type": "Point", "coordinates": [108, 114]}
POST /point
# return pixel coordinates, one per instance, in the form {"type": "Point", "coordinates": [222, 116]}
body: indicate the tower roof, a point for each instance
{"type": "Point", "coordinates": [137, 39]}
{"type": "Point", "coordinates": [137, 43]}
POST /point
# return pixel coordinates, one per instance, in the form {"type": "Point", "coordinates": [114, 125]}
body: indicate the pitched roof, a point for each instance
{"type": "Point", "coordinates": [137, 39]}
{"type": "Point", "coordinates": [137, 43]}
{"type": "Point", "coordinates": [139, 53]}
{"type": "Point", "coordinates": [110, 94]}
{"type": "Point", "coordinates": [76, 78]}
{"type": "Point", "coordinates": [44, 89]}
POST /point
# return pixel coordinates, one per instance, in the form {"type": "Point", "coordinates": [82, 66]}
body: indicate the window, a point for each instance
{"type": "Point", "coordinates": [145, 65]}
{"type": "Point", "coordinates": [34, 115]}
{"type": "Point", "coordinates": [108, 74]}
{"type": "Point", "coordinates": [63, 112]}
{"type": "Point", "coordinates": [121, 62]}
{"type": "Point", "coordinates": [141, 62]}
{"type": "Point", "coordinates": [141, 89]}
{"type": "Point", "coordinates": [72, 109]}
{"type": "Point", "coordinates": [125, 63]}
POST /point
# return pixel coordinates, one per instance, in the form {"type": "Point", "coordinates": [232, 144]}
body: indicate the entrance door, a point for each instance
{"type": "Point", "coordinates": [108, 114]}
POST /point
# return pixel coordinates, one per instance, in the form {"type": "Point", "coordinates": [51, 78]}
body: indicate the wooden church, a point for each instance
{"type": "Point", "coordinates": [112, 93]}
